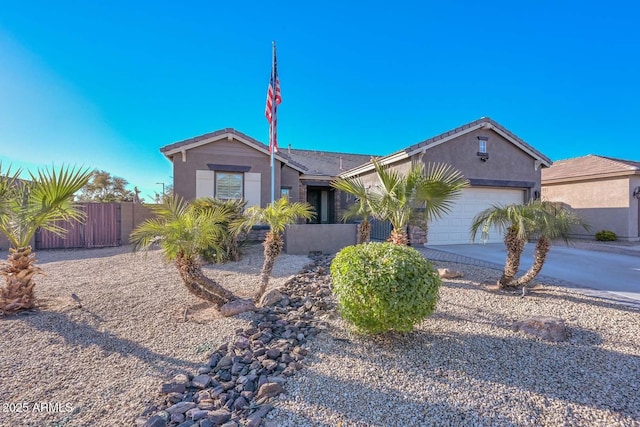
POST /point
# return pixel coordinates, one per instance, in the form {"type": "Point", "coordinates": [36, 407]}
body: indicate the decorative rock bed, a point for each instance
{"type": "Point", "coordinates": [243, 376]}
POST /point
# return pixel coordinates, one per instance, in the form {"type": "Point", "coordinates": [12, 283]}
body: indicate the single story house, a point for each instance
{"type": "Point", "coordinates": [228, 164]}
{"type": "Point", "coordinates": [501, 168]}
{"type": "Point", "coordinates": [605, 191]}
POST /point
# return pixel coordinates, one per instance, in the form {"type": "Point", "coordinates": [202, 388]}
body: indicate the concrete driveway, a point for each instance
{"type": "Point", "coordinates": [612, 272]}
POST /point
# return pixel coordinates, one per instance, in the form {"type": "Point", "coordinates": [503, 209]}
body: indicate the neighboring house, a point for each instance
{"type": "Point", "coordinates": [501, 168]}
{"type": "Point", "coordinates": [603, 190]}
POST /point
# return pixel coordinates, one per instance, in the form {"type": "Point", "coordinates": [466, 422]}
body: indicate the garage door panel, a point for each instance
{"type": "Point", "coordinates": [454, 227]}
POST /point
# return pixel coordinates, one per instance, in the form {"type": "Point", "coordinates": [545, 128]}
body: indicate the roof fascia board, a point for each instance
{"type": "Point", "coordinates": [316, 177]}
{"type": "Point", "coordinates": [450, 137]}
{"type": "Point", "coordinates": [519, 145]}
{"type": "Point", "coordinates": [483, 125]}
{"type": "Point", "coordinates": [610, 175]}
{"type": "Point", "coordinates": [228, 135]}
{"type": "Point", "coordinates": [384, 161]}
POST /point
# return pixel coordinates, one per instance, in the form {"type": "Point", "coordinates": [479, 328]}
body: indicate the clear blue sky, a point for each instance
{"type": "Point", "coordinates": [106, 84]}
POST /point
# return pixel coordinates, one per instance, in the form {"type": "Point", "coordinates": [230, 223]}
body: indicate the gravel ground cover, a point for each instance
{"type": "Point", "coordinates": [101, 364]}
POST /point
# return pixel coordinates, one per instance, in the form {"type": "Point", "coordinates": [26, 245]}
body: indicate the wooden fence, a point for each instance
{"type": "Point", "coordinates": [106, 224]}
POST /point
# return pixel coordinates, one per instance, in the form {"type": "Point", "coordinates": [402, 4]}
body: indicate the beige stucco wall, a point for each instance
{"type": "Point", "coordinates": [606, 204]}
{"type": "Point", "coordinates": [132, 215]}
{"type": "Point", "coordinates": [301, 239]}
{"type": "Point", "coordinates": [234, 153]}
{"type": "Point", "coordinates": [290, 178]}
{"type": "Point", "coordinates": [506, 164]}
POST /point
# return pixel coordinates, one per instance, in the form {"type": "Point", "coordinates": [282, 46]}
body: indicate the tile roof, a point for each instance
{"type": "Point", "coordinates": [199, 138]}
{"type": "Point", "coordinates": [315, 162]}
{"type": "Point", "coordinates": [312, 162]}
{"type": "Point", "coordinates": [589, 167]}
{"type": "Point", "coordinates": [325, 162]}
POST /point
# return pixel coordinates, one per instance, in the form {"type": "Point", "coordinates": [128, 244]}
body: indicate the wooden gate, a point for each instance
{"type": "Point", "coordinates": [101, 229]}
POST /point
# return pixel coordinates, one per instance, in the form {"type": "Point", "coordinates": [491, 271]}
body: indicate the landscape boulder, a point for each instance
{"type": "Point", "coordinates": [545, 327]}
{"type": "Point", "coordinates": [446, 273]}
{"type": "Point", "coordinates": [236, 307]}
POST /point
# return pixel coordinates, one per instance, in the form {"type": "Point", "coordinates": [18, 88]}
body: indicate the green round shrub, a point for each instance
{"type": "Point", "coordinates": [606, 236]}
{"type": "Point", "coordinates": [382, 286]}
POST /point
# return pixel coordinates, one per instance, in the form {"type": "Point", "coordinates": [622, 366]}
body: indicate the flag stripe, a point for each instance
{"type": "Point", "coordinates": [274, 98]}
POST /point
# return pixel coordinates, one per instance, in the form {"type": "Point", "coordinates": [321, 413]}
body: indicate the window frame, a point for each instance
{"type": "Point", "coordinates": [482, 146]}
{"type": "Point", "coordinates": [285, 191]}
{"type": "Point", "coordinates": [219, 179]}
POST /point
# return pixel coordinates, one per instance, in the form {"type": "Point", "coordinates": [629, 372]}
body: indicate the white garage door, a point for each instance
{"type": "Point", "coordinates": [454, 227]}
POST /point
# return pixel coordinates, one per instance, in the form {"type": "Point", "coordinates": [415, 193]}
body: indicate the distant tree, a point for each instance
{"type": "Point", "coordinates": [105, 188]}
{"type": "Point", "coordinates": [168, 194]}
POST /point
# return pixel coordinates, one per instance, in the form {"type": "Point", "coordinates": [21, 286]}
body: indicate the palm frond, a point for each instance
{"type": "Point", "coordinates": [502, 217]}
{"type": "Point", "coordinates": [39, 202]}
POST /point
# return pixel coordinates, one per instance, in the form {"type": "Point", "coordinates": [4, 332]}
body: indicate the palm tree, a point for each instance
{"type": "Point", "coordinates": [277, 215]}
{"type": "Point", "coordinates": [25, 206]}
{"type": "Point", "coordinates": [515, 221]}
{"type": "Point", "coordinates": [398, 198]}
{"type": "Point", "coordinates": [228, 247]}
{"type": "Point", "coordinates": [183, 232]}
{"type": "Point", "coordinates": [551, 220]}
{"type": "Point", "coordinates": [359, 210]}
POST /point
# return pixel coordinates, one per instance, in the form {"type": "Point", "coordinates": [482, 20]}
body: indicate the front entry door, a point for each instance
{"type": "Point", "coordinates": [322, 201]}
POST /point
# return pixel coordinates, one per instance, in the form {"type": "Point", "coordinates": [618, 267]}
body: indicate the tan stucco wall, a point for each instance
{"type": "Point", "coordinates": [230, 153]}
{"type": "Point", "coordinates": [606, 204]}
{"type": "Point", "coordinates": [290, 178]}
{"type": "Point", "coordinates": [507, 163]}
{"type": "Point", "coordinates": [301, 239]}
{"type": "Point", "coordinates": [132, 215]}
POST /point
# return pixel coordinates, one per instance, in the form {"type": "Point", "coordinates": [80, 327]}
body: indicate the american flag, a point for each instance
{"type": "Point", "coordinates": [274, 98]}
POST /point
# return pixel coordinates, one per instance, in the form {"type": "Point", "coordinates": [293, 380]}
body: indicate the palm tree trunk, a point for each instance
{"type": "Point", "coordinates": [18, 292]}
{"type": "Point", "coordinates": [364, 231]}
{"type": "Point", "coordinates": [543, 245]}
{"type": "Point", "coordinates": [515, 246]}
{"type": "Point", "coordinates": [399, 237]}
{"type": "Point", "coordinates": [200, 285]}
{"type": "Point", "coordinates": [273, 245]}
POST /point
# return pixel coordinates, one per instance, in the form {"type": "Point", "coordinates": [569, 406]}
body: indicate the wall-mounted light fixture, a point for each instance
{"type": "Point", "coordinates": [636, 193]}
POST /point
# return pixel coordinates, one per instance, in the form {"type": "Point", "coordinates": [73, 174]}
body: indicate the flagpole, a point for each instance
{"type": "Point", "coordinates": [273, 123]}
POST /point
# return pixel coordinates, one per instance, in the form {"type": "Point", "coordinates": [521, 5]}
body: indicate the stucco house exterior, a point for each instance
{"type": "Point", "coordinates": [501, 168]}
{"type": "Point", "coordinates": [229, 164]}
{"type": "Point", "coordinates": [605, 191]}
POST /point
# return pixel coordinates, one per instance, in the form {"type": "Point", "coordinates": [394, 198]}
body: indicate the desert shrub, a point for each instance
{"type": "Point", "coordinates": [228, 246]}
{"type": "Point", "coordinates": [606, 236]}
{"type": "Point", "coordinates": [382, 287]}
